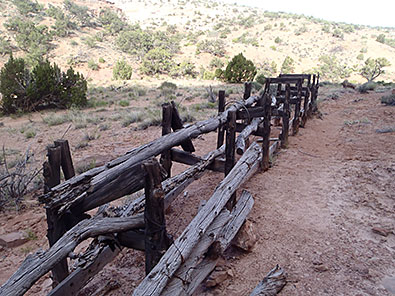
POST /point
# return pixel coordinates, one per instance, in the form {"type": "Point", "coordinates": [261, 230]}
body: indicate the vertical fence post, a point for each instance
{"type": "Point", "coordinates": [279, 89]}
{"type": "Point", "coordinates": [176, 124]}
{"type": "Point", "coordinates": [165, 158]}
{"type": "Point", "coordinates": [296, 121]}
{"type": "Point", "coordinates": [221, 108]}
{"type": "Point", "coordinates": [286, 113]}
{"type": "Point", "coordinates": [230, 150]}
{"type": "Point", "coordinates": [56, 227]}
{"type": "Point", "coordinates": [305, 107]}
{"type": "Point", "coordinates": [266, 131]}
{"type": "Point", "coordinates": [156, 239]}
{"type": "Point", "coordinates": [66, 160]}
{"type": "Point", "coordinates": [247, 90]}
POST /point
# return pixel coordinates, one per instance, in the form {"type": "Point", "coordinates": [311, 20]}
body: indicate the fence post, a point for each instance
{"type": "Point", "coordinates": [176, 124]}
{"type": "Point", "coordinates": [230, 150]}
{"type": "Point", "coordinates": [266, 131]}
{"type": "Point", "coordinates": [285, 127]}
{"type": "Point", "coordinates": [296, 121]}
{"type": "Point", "coordinates": [221, 108]}
{"type": "Point", "coordinates": [165, 158]}
{"type": "Point", "coordinates": [66, 160]}
{"type": "Point", "coordinates": [56, 227]}
{"type": "Point", "coordinates": [156, 238]}
{"type": "Point", "coordinates": [247, 90]}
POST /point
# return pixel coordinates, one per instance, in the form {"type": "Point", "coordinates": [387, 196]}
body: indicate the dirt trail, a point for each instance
{"type": "Point", "coordinates": [314, 211]}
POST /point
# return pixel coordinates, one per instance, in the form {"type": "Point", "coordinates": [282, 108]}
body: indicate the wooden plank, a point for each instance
{"type": "Point", "coordinates": [176, 124]}
{"type": "Point", "coordinates": [155, 282]}
{"type": "Point", "coordinates": [247, 90]}
{"type": "Point", "coordinates": [156, 239]}
{"type": "Point", "coordinates": [266, 102]}
{"type": "Point", "coordinates": [28, 273]}
{"type": "Point", "coordinates": [221, 108]}
{"type": "Point", "coordinates": [296, 120]}
{"type": "Point", "coordinates": [165, 157]}
{"type": "Point", "coordinates": [285, 119]}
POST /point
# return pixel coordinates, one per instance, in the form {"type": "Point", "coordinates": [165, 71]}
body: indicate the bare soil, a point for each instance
{"type": "Point", "coordinates": [314, 213]}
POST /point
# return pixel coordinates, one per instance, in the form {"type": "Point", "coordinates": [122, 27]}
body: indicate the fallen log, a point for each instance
{"type": "Point", "coordinates": [272, 284]}
{"type": "Point", "coordinates": [38, 264]}
{"type": "Point", "coordinates": [199, 264]}
{"type": "Point", "coordinates": [156, 280]}
{"type": "Point", "coordinates": [124, 175]}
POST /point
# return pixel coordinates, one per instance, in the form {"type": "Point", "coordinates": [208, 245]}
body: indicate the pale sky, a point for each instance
{"type": "Point", "coordinates": [363, 12]}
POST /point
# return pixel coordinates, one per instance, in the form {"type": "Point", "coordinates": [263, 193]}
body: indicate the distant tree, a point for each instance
{"type": "Point", "coordinates": [157, 61]}
{"type": "Point", "coordinates": [80, 13]}
{"type": "Point", "coordinates": [331, 69]}
{"type": "Point", "coordinates": [288, 65]}
{"type": "Point", "coordinates": [240, 69]}
{"type": "Point", "coordinates": [26, 7]}
{"type": "Point", "coordinates": [381, 38]}
{"type": "Point", "coordinates": [374, 68]}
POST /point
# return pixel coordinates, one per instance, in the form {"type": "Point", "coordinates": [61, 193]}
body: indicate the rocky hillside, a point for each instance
{"type": "Point", "coordinates": [184, 39]}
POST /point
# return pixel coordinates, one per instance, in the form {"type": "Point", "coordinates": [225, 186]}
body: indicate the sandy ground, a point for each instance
{"type": "Point", "coordinates": [313, 215]}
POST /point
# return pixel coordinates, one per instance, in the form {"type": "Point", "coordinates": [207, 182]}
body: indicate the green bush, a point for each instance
{"type": "Point", "coordinates": [214, 47]}
{"type": "Point", "coordinates": [184, 69]}
{"type": "Point", "coordinates": [80, 13]}
{"type": "Point", "coordinates": [260, 78]}
{"type": "Point", "coordinates": [219, 74]}
{"type": "Point", "coordinates": [360, 57]}
{"type": "Point", "coordinates": [338, 34]}
{"type": "Point", "coordinates": [388, 100]}
{"type": "Point", "coordinates": [381, 38]}
{"type": "Point", "coordinates": [5, 46]}
{"type": "Point", "coordinates": [102, 60]}
{"type": "Point", "coordinates": [364, 88]}
{"type": "Point", "coordinates": [278, 40]}
{"type": "Point", "coordinates": [26, 6]}
{"type": "Point", "coordinates": [240, 69]}
{"type": "Point", "coordinates": [288, 65]}
{"type": "Point", "coordinates": [157, 61]}
{"type": "Point", "coordinates": [216, 63]}
{"type": "Point", "coordinates": [45, 86]}
{"type": "Point", "coordinates": [374, 68]}
{"type": "Point", "coordinates": [111, 22]}
{"type": "Point", "coordinates": [122, 70]}
{"type": "Point", "coordinates": [93, 65]}
{"type": "Point", "coordinates": [331, 69]}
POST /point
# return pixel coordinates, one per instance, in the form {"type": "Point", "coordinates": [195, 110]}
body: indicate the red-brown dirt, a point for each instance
{"type": "Point", "coordinates": [314, 213]}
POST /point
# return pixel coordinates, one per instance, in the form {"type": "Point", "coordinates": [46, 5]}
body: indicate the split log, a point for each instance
{"type": "Point", "coordinates": [35, 266]}
{"type": "Point", "coordinates": [176, 124]}
{"type": "Point", "coordinates": [248, 130]}
{"type": "Point", "coordinates": [230, 156]}
{"type": "Point", "coordinates": [106, 184]}
{"type": "Point", "coordinates": [286, 114]}
{"type": "Point", "coordinates": [165, 158]}
{"type": "Point", "coordinates": [66, 160]}
{"type": "Point", "coordinates": [272, 284]}
{"type": "Point", "coordinates": [199, 264]}
{"type": "Point", "coordinates": [156, 281]}
{"type": "Point", "coordinates": [218, 165]}
{"type": "Point", "coordinates": [266, 102]}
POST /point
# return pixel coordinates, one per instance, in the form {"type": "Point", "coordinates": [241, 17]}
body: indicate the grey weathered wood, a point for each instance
{"type": "Point", "coordinates": [286, 113]}
{"type": "Point", "coordinates": [156, 240]}
{"type": "Point", "coordinates": [56, 225]}
{"type": "Point", "coordinates": [230, 147]}
{"type": "Point", "coordinates": [104, 185]}
{"type": "Point", "coordinates": [66, 160]}
{"type": "Point", "coordinates": [100, 254]}
{"type": "Point", "coordinates": [272, 284]}
{"type": "Point", "coordinates": [248, 130]}
{"type": "Point", "coordinates": [200, 262]}
{"type": "Point", "coordinates": [176, 124]}
{"type": "Point", "coordinates": [157, 279]}
{"type": "Point", "coordinates": [266, 102]}
{"type": "Point", "coordinates": [38, 264]}
{"type": "Point", "coordinates": [296, 119]}
{"type": "Point", "coordinates": [165, 158]}
{"type": "Point", "coordinates": [221, 108]}
{"type": "Point", "coordinates": [218, 165]}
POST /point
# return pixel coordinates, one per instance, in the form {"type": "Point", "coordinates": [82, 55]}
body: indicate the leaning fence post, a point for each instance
{"type": "Point", "coordinates": [285, 127]}
{"type": "Point", "coordinates": [230, 148]}
{"type": "Point", "coordinates": [247, 90]}
{"type": "Point", "coordinates": [266, 131]}
{"type": "Point", "coordinates": [66, 160]}
{"type": "Point", "coordinates": [165, 158]}
{"type": "Point", "coordinates": [56, 227]}
{"type": "Point", "coordinates": [156, 238]}
{"type": "Point", "coordinates": [296, 121]}
{"type": "Point", "coordinates": [221, 108]}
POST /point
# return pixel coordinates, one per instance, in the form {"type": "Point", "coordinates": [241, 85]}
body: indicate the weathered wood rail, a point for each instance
{"type": "Point", "coordinates": [173, 268]}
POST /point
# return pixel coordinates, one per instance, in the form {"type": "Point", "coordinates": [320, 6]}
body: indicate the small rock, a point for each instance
{"type": "Point", "coordinates": [320, 268]}
{"type": "Point", "coordinates": [13, 239]}
{"type": "Point", "coordinates": [216, 277]}
{"type": "Point", "coordinates": [389, 284]}
{"type": "Point", "coordinates": [246, 237]}
{"type": "Point", "coordinates": [381, 231]}
{"type": "Point", "coordinates": [1, 124]}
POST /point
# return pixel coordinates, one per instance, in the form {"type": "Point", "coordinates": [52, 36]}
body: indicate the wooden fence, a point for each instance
{"type": "Point", "coordinates": [172, 267]}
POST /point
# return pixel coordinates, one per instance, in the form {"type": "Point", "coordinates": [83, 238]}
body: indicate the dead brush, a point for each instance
{"type": "Point", "coordinates": [16, 181]}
